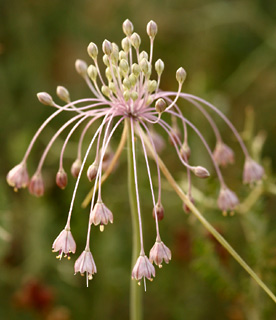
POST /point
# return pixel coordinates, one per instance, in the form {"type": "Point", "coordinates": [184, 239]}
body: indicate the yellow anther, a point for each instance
{"type": "Point", "coordinates": [101, 227]}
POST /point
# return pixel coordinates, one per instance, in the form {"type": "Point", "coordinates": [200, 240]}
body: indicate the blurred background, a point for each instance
{"type": "Point", "coordinates": [228, 48]}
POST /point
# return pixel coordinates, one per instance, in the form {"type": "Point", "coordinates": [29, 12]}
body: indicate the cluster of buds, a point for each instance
{"type": "Point", "coordinates": [129, 93]}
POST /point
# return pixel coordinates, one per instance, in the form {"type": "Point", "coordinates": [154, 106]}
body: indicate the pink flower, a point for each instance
{"type": "Point", "coordinates": [101, 215]}
{"type": "Point", "coordinates": [143, 269]}
{"type": "Point", "coordinates": [160, 252]}
{"type": "Point", "coordinates": [36, 185]}
{"type": "Point", "coordinates": [18, 176]}
{"type": "Point", "coordinates": [252, 171]}
{"type": "Point", "coordinates": [86, 263]}
{"type": "Point", "coordinates": [227, 200]}
{"type": "Point", "coordinates": [223, 154]}
{"type": "Point", "coordinates": [64, 244]}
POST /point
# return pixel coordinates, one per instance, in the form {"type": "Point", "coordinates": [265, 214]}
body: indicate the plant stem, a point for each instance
{"type": "Point", "coordinates": [135, 290]}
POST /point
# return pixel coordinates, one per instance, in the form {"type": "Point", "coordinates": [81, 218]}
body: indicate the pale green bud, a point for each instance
{"type": "Point", "coordinates": [159, 67]}
{"type": "Point", "coordinates": [160, 105]}
{"type": "Point", "coordinates": [107, 47]}
{"type": "Point", "coordinates": [63, 94]}
{"type": "Point", "coordinates": [135, 40]}
{"type": "Point", "coordinates": [135, 68]}
{"type": "Point", "coordinates": [143, 55]}
{"type": "Point", "coordinates": [92, 50]}
{"type": "Point", "coordinates": [126, 44]}
{"type": "Point", "coordinates": [133, 79]}
{"type": "Point", "coordinates": [127, 83]}
{"type": "Point", "coordinates": [145, 66]}
{"type": "Point", "coordinates": [152, 85]}
{"type": "Point", "coordinates": [105, 91]}
{"type": "Point", "coordinates": [128, 27]}
{"type": "Point", "coordinates": [123, 65]}
{"type": "Point", "coordinates": [81, 67]}
{"type": "Point", "coordinates": [122, 55]}
{"type": "Point", "coordinates": [134, 95]}
{"type": "Point", "coordinates": [106, 60]}
{"type": "Point", "coordinates": [126, 95]}
{"type": "Point", "coordinates": [149, 100]}
{"type": "Point", "coordinates": [115, 47]}
{"type": "Point", "coordinates": [152, 29]}
{"type": "Point", "coordinates": [181, 75]}
{"type": "Point", "coordinates": [115, 57]}
{"type": "Point", "coordinates": [92, 72]}
{"type": "Point", "coordinates": [108, 73]}
{"type": "Point", "coordinates": [112, 87]}
{"type": "Point", "coordinates": [45, 98]}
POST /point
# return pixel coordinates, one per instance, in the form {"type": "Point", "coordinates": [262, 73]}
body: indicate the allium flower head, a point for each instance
{"type": "Point", "coordinates": [128, 92]}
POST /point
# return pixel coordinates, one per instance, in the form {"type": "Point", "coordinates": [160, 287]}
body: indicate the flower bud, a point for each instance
{"type": "Point", "coordinates": [135, 68]}
{"type": "Point", "coordinates": [105, 91]}
{"type": "Point", "coordinates": [63, 94]}
{"type": "Point", "coordinates": [92, 72]}
{"type": "Point", "coordinates": [133, 79]}
{"type": "Point", "coordinates": [160, 105]}
{"type": "Point", "coordinates": [124, 67]}
{"type": "Point", "coordinates": [106, 60]}
{"type": "Point", "coordinates": [45, 98]}
{"type": "Point", "coordinates": [143, 55]}
{"type": "Point", "coordinates": [92, 171]}
{"type": "Point", "coordinates": [92, 50]}
{"type": "Point", "coordinates": [108, 74]}
{"type": "Point", "coordinates": [107, 47]}
{"type": "Point", "coordinates": [36, 185]}
{"type": "Point", "coordinates": [61, 178]}
{"type": "Point", "coordinates": [145, 66]}
{"type": "Point", "coordinates": [135, 40]}
{"type": "Point", "coordinates": [126, 45]}
{"type": "Point", "coordinates": [112, 86]}
{"type": "Point", "coordinates": [152, 29]}
{"type": "Point", "coordinates": [126, 95]}
{"type": "Point", "coordinates": [201, 172]}
{"type": "Point", "coordinates": [122, 55]}
{"type": "Point", "coordinates": [159, 211]}
{"type": "Point", "coordinates": [75, 168]}
{"type": "Point", "coordinates": [159, 67]}
{"type": "Point", "coordinates": [128, 27]}
{"type": "Point", "coordinates": [134, 95]}
{"type": "Point", "coordinates": [152, 85]}
{"type": "Point", "coordinates": [81, 67]}
{"type": "Point", "coordinates": [185, 151]}
{"type": "Point", "coordinates": [181, 75]}
{"type": "Point", "coordinates": [127, 83]}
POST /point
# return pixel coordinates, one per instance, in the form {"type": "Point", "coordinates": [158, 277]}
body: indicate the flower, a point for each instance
{"type": "Point", "coordinates": [252, 171]}
{"type": "Point", "coordinates": [160, 252]}
{"type": "Point", "coordinates": [227, 200]}
{"type": "Point", "coordinates": [64, 244]}
{"type": "Point", "coordinates": [129, 94]}
{"type": "Point", "coordinates": [143, 268]}
{"type": "Point", "coordinates": [18, 176]}
{"type": "Point", "coordinates": [86, 264]}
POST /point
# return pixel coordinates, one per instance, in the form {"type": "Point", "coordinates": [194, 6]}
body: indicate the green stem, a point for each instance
{"type": "Point", "coordinates": [135, 290]}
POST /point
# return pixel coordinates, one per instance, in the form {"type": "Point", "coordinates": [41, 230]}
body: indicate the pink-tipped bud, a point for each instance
{"type": "Point", "coordinates": [227, 200]}
{"type": "Point", "coordinates": [45, 98]}
{"type": "Point", "coordinates": [185, 151]}
{"type": "Point", "coordinates": [18, 177]}
{"type": "Point", "coordinates": [158, 253]}
{"type": "Point", "coordinates": [143, 269]}
{"type": "Point", "coordinates": [61, 178]}
{"type": "Point", "coordinates": [252, 171]}
{"type": "Point", "coordinates": [223, 154]}
{"type": "Point", "coordinates": [101, 215]}
{"type": "Point", "coordinates": [86, 264]}
{"type": "Point", "coordinates": [201, 172]}
{"type": "Point", "coordinates": [159, 211]}
{"type": "Point", "coordinates": [36, 185]}
{"type": "Point", "coordinates": [92, 171]}
{"type": "Point", "coordinates": [185, 207]}
{"type": "Point", "coordinates": [75, 168]}
{"type": "Point", "coordinates": [64, 244]}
